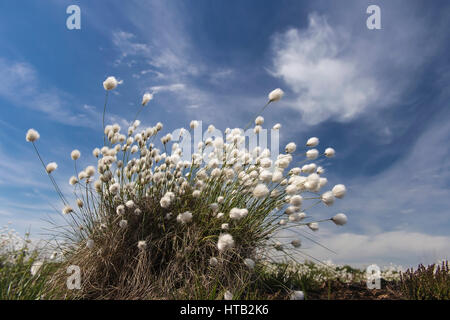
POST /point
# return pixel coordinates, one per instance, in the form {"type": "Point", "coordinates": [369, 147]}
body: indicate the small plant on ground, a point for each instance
{"type": "Point", "coordinates": [427, 283]}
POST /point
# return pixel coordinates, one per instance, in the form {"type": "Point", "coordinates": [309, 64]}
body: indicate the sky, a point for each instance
{"type": "Point", "coordinates": [379, 97]}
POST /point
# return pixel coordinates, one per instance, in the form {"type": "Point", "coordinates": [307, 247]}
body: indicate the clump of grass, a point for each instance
{"type": "Point", "coordinates": [23, 275]}
{"type": "Point", "coordinates": [149, 224]}
{"type": "Point", "coordinates": [427, 283]}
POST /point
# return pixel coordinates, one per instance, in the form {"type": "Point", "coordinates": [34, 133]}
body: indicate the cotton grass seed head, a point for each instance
{"type": "Point", "coordinates": [32, 135]}
{"type": "Point", "coordinates": [329, 152]}
{"type": "Point", "coordinates": [184, 217]}
{"type": "Point", "coordinates": [228, 295]}
{"type": "Point", "coordinates": [146, 98]}
{"type": "Point", "coordinates": [67, 210]}
{"type": "Point", "coordinates": [51, 167]}
{"type": "Point", "coordinates": [110, 83]}
{"type": "Point", "coordinates": [123, 224]}
{"type": "Point", "coordinates": [312, 142]}
{"type": "Point", "coordinates": [339, 191]}
{"type": "Point", "coordinates": [340, 219]}
{"type": "Point", "coordinates": [276, 95]}
{"type": "Point", "coordinates": [75, 154]}
{"type": "Point", "coordinates": [225, 242]}
{"type": "Point", "coordinates": [260, 191]}
{"type": "Point", "coordinates": [142, 245]}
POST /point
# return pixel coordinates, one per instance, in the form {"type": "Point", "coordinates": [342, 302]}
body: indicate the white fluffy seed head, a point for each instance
{"type": "Point", "coordinates": [193, 124]}
{"type": "Point", "coordinates": [312, 142]}
{"type": "Point", "coordinates": [276, 126]}
{"type": "Point", "coordinates": [146, 98]}
{"type": "Point", "coordinates": [32, 135]}
{"type": "Point", "coordinates": [75, 154]}
{"type": "Point", "coordinates": [142, 245]}
{"type": "Point", "coordinates": [339, 191]}
{"type": "Point", "coordinates": [120, 209]}
{"type": "Point", "coordinates": [225, 242]}
{"type": "Point", "coordinates": [314, 226]}
{"type": "Point", "coordinates": [123, 224]}
{"type": "Point", "coordinates": [51, 167]}
{"type": "Point", "coordinates": [73, 180]}
{"type": "Point", "coordinates": [290, 147]}
{"type": "Point", "coordinates": [110, 83]}
{"type": "Point", "coordinates": [276, 95]}
{"type": "Point", "coordinates": [90, 171]}
{"type": "Point", "coordinates": [67, 210]}
{"type": "Point", "coordinates": [296, 200]}
{"type": "Point", "coordinates": [228, 295]}
{"type": "Point", "coordinates": [312, 154]}
{"type": "Point", "coordinates": [340, 219]}
{"type": "Point", "coordinates": [184, 217]}
{"type": "Point", "coordinates": [329, 152]}
{"type": "Point", "coordinates": [259, 120]}
{"type": "Point", "coordinates": [260, 191]}
{"type": "Point", "coordinates": [328, 198]}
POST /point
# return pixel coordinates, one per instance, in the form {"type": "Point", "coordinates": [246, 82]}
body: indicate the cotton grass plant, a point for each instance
{"type": "Point", "coordinates": [147, 224]}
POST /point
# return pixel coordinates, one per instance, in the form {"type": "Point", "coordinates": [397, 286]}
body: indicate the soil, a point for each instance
{"type": "Point", "coordinates": [355, 291]}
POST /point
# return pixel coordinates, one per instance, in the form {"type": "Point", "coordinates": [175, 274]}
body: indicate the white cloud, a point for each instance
{"type": "Point", "coordinates": [397, 247]}
{"type": "Point", "coordinates": [327, 83]}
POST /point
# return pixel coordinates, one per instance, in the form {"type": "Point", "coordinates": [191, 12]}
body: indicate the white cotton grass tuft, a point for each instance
{"type": "Point", "coordinates": [314, 226]}
{"type": "Point", "coordinates": [111, 83]}
{"type": "Point", "coordinates": [123, 224]}
{"type": "Point", "coordinates": [260, 191]}
{"type": "Point", "coordinates": [329, 152]}
{"type": "Point", "coordinates": [277, 126]}
{"type": "Point", "coordinates": [194, 124]}
{"type": "Point", "coordinates": [226, 187]}
{"type": "Point", "coordinates": [327, 198]}
{"type": "Point", "coordinates": [290, 147]}
{"type": "Point", "coordinates": [184, 217]}
{"type": "Point", "coordinates": [73, 180]}
{"type": "Point", "coordinates": [225, 242]}
{"type": "Point", "coordinates": [339, 191]}
{"type": "Point", "coordinates": [32, 135]}
{"type": "Point", "coordinates": [67, 209]}
{"type": "Point", "coordinates": [312, 154]}
{"type": "Point", "coordinates": [276, 95]}
{"type": "Point", "coordinates": [228, 295]}
{"type": "Point", "coordinates": [297, 295]}
{"type": "Point", "coordinates": [51, 167]}
{"type": "Point", "coordinates": [146, 98]}
{"type": "Point", "coordinates": [259, 120]}
{"type": "Point", "coordinates": [340, 219]}
{"type": "Point", "coordinates": [142, 245]}
{"type": "Point", "coordinates": [120, 210]}
{"type": "Point", "coordinates": [312, 142]}
{"type": "Point", "coordinates": [75, 154]}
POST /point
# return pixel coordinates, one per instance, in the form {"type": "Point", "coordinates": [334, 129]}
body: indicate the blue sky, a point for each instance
{"type": "Point", "coordinates": [379, 97]}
